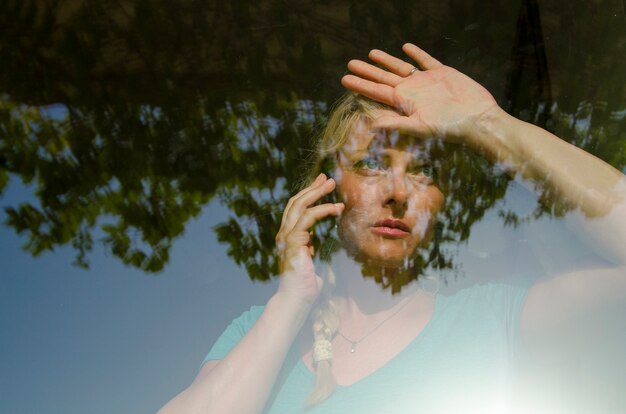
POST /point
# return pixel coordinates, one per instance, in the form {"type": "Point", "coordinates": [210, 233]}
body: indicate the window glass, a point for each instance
{"type": "Point", "coordinates": [149, 150]}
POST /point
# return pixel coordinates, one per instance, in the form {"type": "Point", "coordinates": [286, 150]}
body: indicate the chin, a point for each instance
{"type": "Point", "coordinates": [386, 253]}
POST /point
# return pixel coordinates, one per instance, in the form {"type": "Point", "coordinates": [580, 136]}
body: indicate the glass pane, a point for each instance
{"type": "Point", "coordinates": [463, 251]}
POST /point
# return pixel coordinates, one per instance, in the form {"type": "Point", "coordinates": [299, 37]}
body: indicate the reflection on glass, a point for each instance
{"type": "Point", "coordinates": [397, 174]}
{"type": "Point", "coordinates": [125, 120]}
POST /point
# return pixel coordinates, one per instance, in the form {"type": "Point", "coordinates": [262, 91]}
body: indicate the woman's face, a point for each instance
{"type": "Point", "coordinates": [391, 202]}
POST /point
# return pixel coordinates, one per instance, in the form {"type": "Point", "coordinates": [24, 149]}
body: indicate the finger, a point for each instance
{"type": "Point", "coordinates": [300, 235]}
{"type": "Point", "coordinates": [373, 90]}
{"type": "Point", "coordinates": [300, 205]}
{"type": "Point", "coordinates": [423, 59]}
{"type": "Point", "coordinates": [319, 180]}
{"type": "Point", "coordinates": [373, 73]}
{"type": "Point", "coordinates": [395, 65]}
{"type": "Point", "coordinates": [314, 214]}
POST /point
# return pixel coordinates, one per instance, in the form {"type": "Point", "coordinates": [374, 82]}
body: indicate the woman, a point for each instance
{"type": "Point", "coordinates": [414, 350]}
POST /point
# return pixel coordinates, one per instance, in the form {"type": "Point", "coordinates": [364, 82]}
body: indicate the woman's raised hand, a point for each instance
{"type": "Point", "coordinates": [435, 100]}
{"type": "Point", "coordinates": [293, 241]}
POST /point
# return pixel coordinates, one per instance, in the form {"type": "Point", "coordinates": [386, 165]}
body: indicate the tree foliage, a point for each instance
{"type": "Point", "coordinates": [131, 116]}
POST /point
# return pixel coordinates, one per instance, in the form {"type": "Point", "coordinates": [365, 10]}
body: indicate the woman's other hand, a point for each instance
{"type": "Point", "coordinates": [293, 241]}
{"type": "Point", "coordinates": [437, 100]}
{"type": "Point", "coordinates": [243, 381]}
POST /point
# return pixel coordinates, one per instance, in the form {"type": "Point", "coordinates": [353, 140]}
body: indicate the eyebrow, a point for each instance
{"type": "Point", "coordinates": [369, 150]}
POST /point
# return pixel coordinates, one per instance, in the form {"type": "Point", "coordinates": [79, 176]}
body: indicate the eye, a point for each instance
{"type": "Point", "coordinates": [427, 170]}
{"type": "Point", "coordinates": [425, 173]}
{"type": "Point", "coordinates": [369, 166]}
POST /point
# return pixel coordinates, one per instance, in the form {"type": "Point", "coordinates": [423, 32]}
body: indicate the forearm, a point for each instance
{"type": "Point", "coordinates": [562, 173]}
{"type": "Point", "coordinates": [243, 380]}
{"type": "Point", "coordinates": [574, 176]}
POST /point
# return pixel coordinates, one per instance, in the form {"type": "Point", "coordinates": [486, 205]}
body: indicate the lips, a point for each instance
{"type": "Point", "coordinates": [391, 228]}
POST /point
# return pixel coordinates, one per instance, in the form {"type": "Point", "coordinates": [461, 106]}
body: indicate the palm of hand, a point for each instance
{"type": "Point", "coordinates": [293, 240]}
{"type": "Point", "coordinates": [442, 102]}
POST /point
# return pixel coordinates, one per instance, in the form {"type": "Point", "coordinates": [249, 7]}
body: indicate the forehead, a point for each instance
{"type": "Point", "coordinates": [361, 139]}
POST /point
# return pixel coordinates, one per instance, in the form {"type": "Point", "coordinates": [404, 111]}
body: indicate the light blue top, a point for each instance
{"type": "Point", "coordinates": [462, 361]}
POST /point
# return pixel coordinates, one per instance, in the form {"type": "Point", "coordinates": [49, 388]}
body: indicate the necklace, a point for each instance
{"type": "Point", "coordinates": [353, 343]}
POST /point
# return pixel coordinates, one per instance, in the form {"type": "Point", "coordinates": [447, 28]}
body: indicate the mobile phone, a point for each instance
{"type": "Point", "coordinates": [328, 167]}
{"type": "Point", "coordinates": [327, 238]}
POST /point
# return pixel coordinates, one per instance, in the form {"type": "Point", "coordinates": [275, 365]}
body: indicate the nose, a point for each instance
{"type": "Point", "coordinates": [398, 190]}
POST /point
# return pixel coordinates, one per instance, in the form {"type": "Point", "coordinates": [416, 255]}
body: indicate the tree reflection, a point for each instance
{"type": "Point", "coordinates": [131, 116]}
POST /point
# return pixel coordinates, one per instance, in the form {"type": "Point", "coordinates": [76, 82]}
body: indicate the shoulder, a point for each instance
{"type": "Point", "coordinates": [487, 294]}
{"type": "Point", "coordinates": [233, 333]}
{"type": "Point", "coordinates": [247, 319]}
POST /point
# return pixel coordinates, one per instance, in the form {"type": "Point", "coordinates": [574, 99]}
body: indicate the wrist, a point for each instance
{"type": "Point", "coordinates": [494, 136]}
{"type": "Point", "coordinates": [489, 124]}
{"type": "Point", "coordinates": [293, 307]}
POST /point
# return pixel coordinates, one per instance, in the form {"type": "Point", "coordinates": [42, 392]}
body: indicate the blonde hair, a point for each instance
{"type": "Point", "coordinates": [325, 327]}
{"type": "Point", "coordinates": [345, 114]}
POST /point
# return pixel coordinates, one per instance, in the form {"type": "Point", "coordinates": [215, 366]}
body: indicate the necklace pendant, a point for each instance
{"type": "Point", "coordinates": [353, 348]}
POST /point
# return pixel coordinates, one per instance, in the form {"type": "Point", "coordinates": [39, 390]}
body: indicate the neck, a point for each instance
{"type": "Point", "coordinates": [367, 290]}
